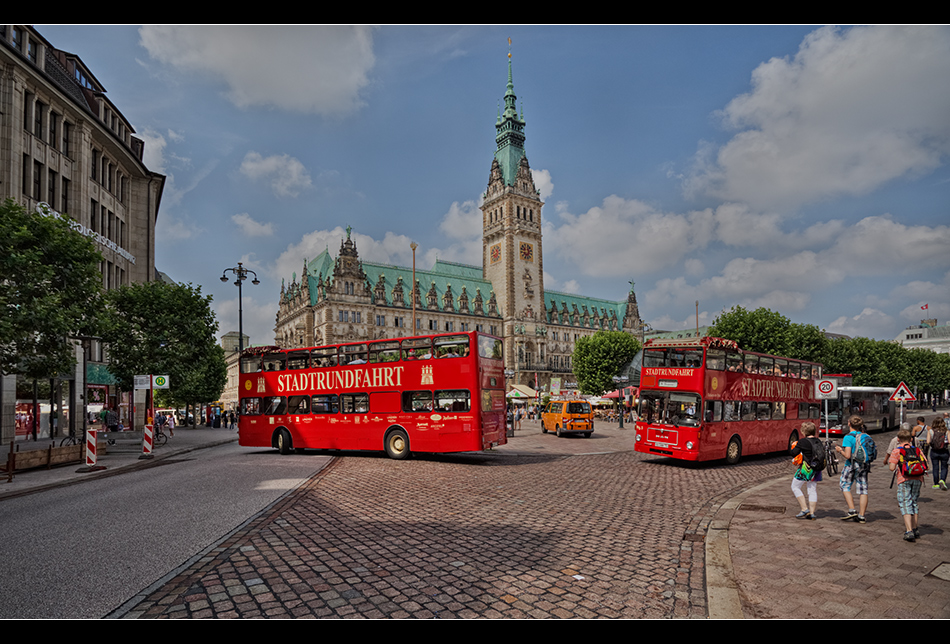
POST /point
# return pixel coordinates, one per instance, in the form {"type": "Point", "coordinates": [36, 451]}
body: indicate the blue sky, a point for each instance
{"type": "Point", "coordinates": [800, 168]}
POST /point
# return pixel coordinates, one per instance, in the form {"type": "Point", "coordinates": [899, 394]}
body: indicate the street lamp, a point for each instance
{"type": "Point", "coordinates": [241, 273]}
{"type": "Point", "coordinates": [620, 381]}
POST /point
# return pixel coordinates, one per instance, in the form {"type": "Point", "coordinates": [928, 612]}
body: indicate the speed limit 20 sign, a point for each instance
{"type": "Point", "coordinates": [826, 388]}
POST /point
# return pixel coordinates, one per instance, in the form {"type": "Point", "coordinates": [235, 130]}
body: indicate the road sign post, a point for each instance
{"type": "Point", "coordinates": [902, 394]}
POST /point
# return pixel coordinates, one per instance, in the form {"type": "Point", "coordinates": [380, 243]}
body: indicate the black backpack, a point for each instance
{"type": "Point", "coordinates": [818, 456]}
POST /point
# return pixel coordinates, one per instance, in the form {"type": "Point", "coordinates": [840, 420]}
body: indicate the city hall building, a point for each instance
{"type": "Point", "coordinates": [343, 299]}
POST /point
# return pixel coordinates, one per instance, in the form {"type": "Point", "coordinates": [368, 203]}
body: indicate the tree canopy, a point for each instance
{"type": "Point", "coordinates": [50, 289]}
{"type": "Point", "coordinates": [167, 329]}
{"type": "Point", "coordinates": [598, 358]}
{"type": "Point", "coordinates": [872, 363]}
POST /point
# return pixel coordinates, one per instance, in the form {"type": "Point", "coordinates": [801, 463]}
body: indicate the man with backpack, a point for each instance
{"type": "Point", "coordinates": [909, 465]}
{"type": "Point", "coordinates": [939, 452]}
{"type": "Point", "coordinates": [808, 474]}
{"type": "Point", "coordinates": [859, 451]}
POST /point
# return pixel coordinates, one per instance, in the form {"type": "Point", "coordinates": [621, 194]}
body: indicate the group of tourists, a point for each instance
{"type": "Point", "coordinates": [906, 457]}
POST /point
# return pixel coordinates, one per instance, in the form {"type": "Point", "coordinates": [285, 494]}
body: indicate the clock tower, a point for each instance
{"type": "Point", "coordinates": [511, 239]}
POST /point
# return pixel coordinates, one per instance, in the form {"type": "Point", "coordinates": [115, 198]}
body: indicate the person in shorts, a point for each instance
{"type": "Point", "coordinates": [908, 487]}
{"type": "Point", "coordinates": [854, 474]}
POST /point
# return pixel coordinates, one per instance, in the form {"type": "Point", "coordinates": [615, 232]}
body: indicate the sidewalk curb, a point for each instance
{"type": "Point", "coordinates": [121, 469]}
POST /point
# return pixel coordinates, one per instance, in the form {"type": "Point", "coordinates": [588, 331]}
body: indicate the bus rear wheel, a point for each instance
{"type": "Point", "coordinates": [734, 451]}
{"type": "Point", "coordinates": [397, 445]}
{"type": "Point", "coordinates": [284, 442]}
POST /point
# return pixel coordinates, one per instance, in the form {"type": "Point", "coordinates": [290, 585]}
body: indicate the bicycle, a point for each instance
{"type": "Point", "coordinates": [831, 456]}
{"type": "Point", "coordinates": [69, 440]}
{"type": "Point", "coordinates": [159, 438]}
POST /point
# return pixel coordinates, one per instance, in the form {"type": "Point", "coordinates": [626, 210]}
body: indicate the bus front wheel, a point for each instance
{"type": "Point", "coordinates": [284, 442]}
{"type": "Point", "coordinates": [792, 440]}
{"type": "Point", "coordinates": [397, 445]}
{"type": "Point", "coordinates": [734, 451]}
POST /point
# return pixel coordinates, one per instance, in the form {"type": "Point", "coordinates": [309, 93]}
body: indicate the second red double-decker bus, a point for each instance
{"type": "Point", "coordinates": [705, 398]}
{"type": "Point", "coordinates": [440, 393]}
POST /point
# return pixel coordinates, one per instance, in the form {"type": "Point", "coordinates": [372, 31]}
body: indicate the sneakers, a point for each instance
{"type": "Point", "coordinates": [916, 533]}
{"type": "Point", "coordinates": [909, 536]}
{"type": "Point", "coordinates": [812, 517]}
{"type": "Point", "coordinates": [802, 515]}
{"type": "Point", "coordinates": [860, 519]}
{"type": "Point", "coordinates": [943, 485]}
{"type": "Point", "coordinates": [851, 516]}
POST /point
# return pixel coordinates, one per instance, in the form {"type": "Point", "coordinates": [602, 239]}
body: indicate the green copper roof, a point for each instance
{"type": "Point", "coordinates": [510, 135]}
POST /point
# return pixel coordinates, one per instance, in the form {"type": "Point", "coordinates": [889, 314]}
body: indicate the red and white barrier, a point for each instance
{"type": "Point", "coordinates": [147, 442]}
{"type": "Point", "coordinates": [91, 448]}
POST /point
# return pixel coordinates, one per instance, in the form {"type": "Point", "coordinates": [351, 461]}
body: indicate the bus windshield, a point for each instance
{"type": "Point", "coordinates": [670, 408]}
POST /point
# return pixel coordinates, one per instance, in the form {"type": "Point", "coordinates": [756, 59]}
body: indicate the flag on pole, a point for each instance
{"type": "Point", "coordinates": [925, 307]}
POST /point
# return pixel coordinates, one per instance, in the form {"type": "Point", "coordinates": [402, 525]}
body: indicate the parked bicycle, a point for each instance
{"type": "Point", "coordinates": [831, 456]}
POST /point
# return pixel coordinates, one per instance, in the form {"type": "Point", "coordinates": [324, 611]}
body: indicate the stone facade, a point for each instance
{"type": "Point", "coordinates": [64, 147]}
{"type": "Point", "coordinates": [343, 299]}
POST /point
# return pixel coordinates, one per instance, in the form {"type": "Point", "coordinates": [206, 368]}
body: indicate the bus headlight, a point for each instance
{"type": "Point", "coordinates": [637, 439]}
{"type": "Point", "coordinates": [689, 444]}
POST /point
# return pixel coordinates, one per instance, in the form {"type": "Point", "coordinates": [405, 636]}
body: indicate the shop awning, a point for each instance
{"type": "Point", "coordinates": [522, 392]}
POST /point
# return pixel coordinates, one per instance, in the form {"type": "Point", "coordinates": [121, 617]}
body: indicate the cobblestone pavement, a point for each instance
{"type": "Point", "coordinates": [543, 527]}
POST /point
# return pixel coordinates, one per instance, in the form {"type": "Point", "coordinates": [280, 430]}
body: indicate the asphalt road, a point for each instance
{"type": "Point", "coordinates": [80, 551]}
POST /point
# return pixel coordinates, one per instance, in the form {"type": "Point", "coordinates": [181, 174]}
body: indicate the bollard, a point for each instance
{"type": "Point", "coordinates": [147, 442]}
{"type": "Point", "coordinates": [91, 453]}
{"type": "Point", "coordinates": [90, 448]}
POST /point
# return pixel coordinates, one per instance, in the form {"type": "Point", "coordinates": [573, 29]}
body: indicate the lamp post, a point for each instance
{"type": "Point", "coordinates": [412, 324]}
{"type": "Point", "coordinates": [241, 274]}
{"type": "Point", "coordinates": [620, 381]}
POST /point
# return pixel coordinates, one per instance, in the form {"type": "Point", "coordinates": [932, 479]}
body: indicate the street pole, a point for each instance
{"type": "Point", "coordinates": [241, 273]}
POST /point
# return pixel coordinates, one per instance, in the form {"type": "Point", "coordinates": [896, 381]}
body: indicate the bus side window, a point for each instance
{"type": "Point", "coordinates": [457, 400]}
{"type": "Point", "coordinates": [276, 406]}
{"type": "Point", "coordinates": [250, 406]}
{"type": "Point", "coordinates": [323, 357]}
{"type": "Point", "coordinates": [716, 359]}
{"type": "Point", "coordinates": [327, 404]}
{"type": "Point", "coordinates": [298, 405]}
{"type": "Point", "coordinates": [355, 403]}
{"type": "Point", "coordinates": [417, 401]}
{"type": "Point", "coordinates": [275, 362]}
{"type": "Point", "coordinates": [713, 411]}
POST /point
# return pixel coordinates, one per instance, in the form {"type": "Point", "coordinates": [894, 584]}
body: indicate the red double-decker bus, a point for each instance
{"type": "Point", "coordinates": [705, 398]}
{"type": "Point", "coordinates": [439, 393]}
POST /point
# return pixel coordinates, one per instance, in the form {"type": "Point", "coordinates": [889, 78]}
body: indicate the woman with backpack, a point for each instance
{"type": "Point", "coordinates": [939, 452]}
{"type": "Point", "coordinates": [808, 474]}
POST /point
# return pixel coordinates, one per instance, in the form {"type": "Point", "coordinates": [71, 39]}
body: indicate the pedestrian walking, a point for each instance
{"type": "Point", "coordinates": [909, 465]}
{"type": "Point", "coordinates": [939, 452]}
{"type": "Point", "coordinates": [808, 473]}
{"type": "Point", "coordinates": [922, 435]}
{"type": "Point", "coordinates": [170, 423]}
{"type": "Point", "coordinates": [858, 450]}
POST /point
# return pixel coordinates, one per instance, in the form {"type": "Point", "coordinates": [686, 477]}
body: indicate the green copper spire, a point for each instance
{"type": "Point", "coordinates": [510, 134]}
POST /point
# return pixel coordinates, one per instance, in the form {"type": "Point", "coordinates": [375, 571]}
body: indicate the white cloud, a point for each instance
{"type": "Point", "coordinates": [853, 109]}
{"type": "Point", "coordinates": [392, 249]}
{"type": "Point", "coordinates": [623, 237]}
{"type": "Point", "coordinates": [251, 228]}
{"type": "Point", "coordinates": [287, 176]}
{"type": "Point", "coordinates": [542, 181]}
{"type": "Point", "coordinates": [170, 228]}
{"type": "Point", "coordinates": [258, 316]}
{"type": "Point", "coordinates": [462, 221]}
{"type": "Point", "coordinates": [311, 69]}
{"type": "Point", "coordinates": [869, 323]}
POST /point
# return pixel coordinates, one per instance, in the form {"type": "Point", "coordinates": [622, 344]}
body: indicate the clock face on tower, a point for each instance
{"type": "Point", "coordinates": [495, 253]}
{"type": "Point", "coordinates": [526, 251]}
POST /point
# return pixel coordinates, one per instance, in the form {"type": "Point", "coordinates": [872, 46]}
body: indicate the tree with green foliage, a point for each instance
{"type": "Point", "coordinates": [600, 357]}
{"type": "Point", "coordinates": [768, 331]}
{"type": "Point", "coordinates": [761, 330]}
{"type": "Point", "coordinates": [167, 329]}
{"type": "Point", "coordinates": [50, 290]}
